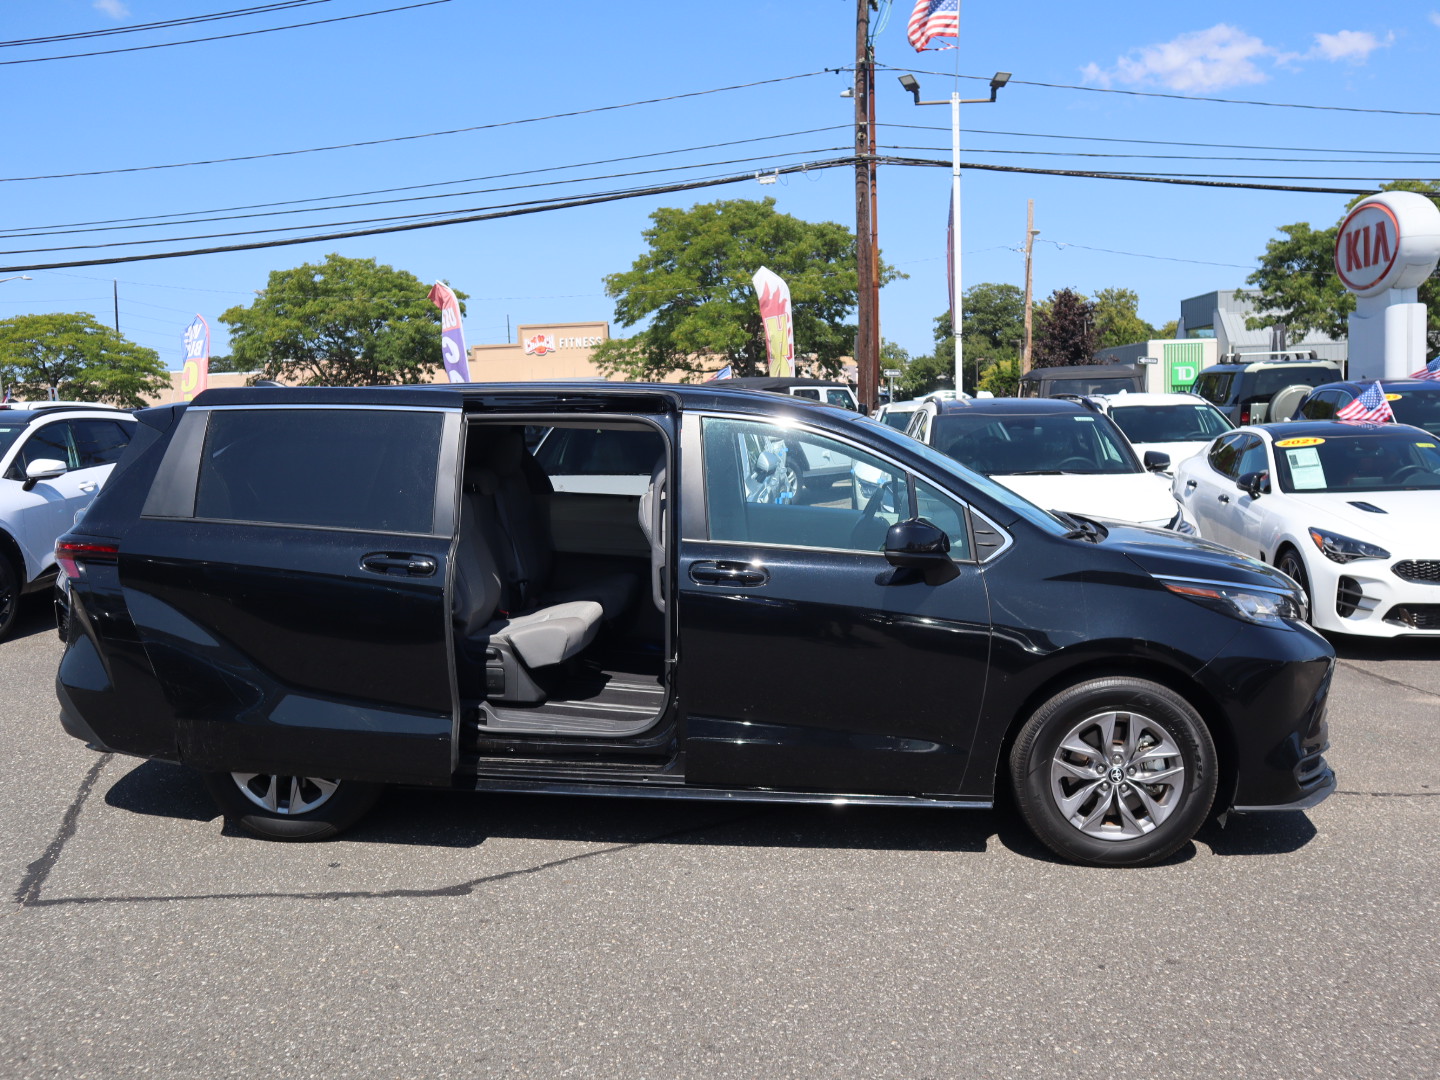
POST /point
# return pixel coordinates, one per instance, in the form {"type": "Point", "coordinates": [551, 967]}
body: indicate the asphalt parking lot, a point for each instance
{"type": "Point", "coordinates": [476, 936]}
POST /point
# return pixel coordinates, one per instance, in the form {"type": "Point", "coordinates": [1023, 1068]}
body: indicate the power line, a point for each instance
{"type": "Point", "coordinates": [188, 20]}
{"type": "Point", "coordinates": [224, 37]}
{"type": "Point", "coordinates": [1179, 157]}
{"type": "Point", "coordinates": [1173, 97]}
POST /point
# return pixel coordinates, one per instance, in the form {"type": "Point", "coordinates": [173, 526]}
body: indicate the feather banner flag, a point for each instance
{"type": "Point", "coordinates": [195, 375]}
{"type": "Point", "coordinates": [452, 334]}
{"type": "Point", "coordinates": [779, 321]}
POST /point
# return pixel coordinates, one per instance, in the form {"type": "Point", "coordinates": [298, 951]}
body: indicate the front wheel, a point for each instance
{"type": "Point", "coordinates": [1292, 567]}
{"type": "Point", "coordinates": [291, 807]}
{"type": "Point", "coordinates": [1114, 772]}
{"type": "Point", "coordinates": [9, 595]}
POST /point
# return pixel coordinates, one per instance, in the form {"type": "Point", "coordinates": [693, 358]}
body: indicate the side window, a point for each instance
{"type": "Point", "coordinates": [1252, 456]}
{"type": "Point", "coordinates": [757, 491]}
{"type": "Point", "coordinates": [371, 469]}
{"type": "Point", "coordinates": [1214, 387]}
{"type": "Point", "coordinates": [940, 509]}
{"type": "Point", "coordinates": [53, 441]}
{"type": "Point", "coordinates": [809, 393]}
{"type": "Point", "coordinates": [100, 442]}
{"type": "Point", "coordinates": [1225, 455]}
{"type": "Point", "coordinates": [600, 452]}
{"type": "Point", "coordinates": [840, 397]}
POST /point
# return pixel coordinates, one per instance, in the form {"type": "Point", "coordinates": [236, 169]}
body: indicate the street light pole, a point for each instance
{"type": "Point", "coordinates": [957, 308]}
{"type": "Point", "coordinates": [17, 277]}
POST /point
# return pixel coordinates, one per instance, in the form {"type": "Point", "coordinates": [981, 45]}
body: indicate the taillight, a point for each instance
{"type": "Point", "coordinates": [1244, 414]}
{"type": "Point", "coordinates": [70, 554]}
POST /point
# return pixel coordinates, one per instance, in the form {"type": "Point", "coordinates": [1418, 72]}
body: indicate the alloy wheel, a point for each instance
{"type": "Point", "coordinates": [1117, 775]}
{"type": "Point", "coordinates": [285, 795]}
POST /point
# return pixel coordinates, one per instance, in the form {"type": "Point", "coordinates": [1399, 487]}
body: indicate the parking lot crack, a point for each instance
{"type": "Point", "coordinates": [1387, 679]}
{"type": "Point", "coordinates": [28, 893]}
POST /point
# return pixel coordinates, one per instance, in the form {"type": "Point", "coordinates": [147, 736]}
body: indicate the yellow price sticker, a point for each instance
{"type": "Point", "coordinates": [1393, 397]}
{"type": "Point", "coordinates": [1286, 444]}
{"type": "Point", "coordinates": [1426, 445]}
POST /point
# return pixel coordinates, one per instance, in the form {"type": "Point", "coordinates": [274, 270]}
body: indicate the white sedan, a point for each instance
{"type": "Point", "coordinates": [1177, 425]}
{"type": "Point", "coordinates": [1347, 510]}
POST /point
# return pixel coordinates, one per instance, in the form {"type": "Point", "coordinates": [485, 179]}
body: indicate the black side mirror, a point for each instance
{"type": "Point", "coordinates": [920, 545]}
{"type": "Point", "coordinates": [1157, 461]}
{"type": "Point", "coordinates": [1254, 484]}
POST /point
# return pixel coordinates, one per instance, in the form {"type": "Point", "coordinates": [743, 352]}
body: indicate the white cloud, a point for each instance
{"type": "Point", "coordinates": [1198, 60]}
{"type": "Point", "coordinates": [116, 9]}
{"type": "Point", "coordinates": [1435, 17]}
{"type": "Point", "coordinates": [1202, 61]}
{"type": "Point", "coordinates": [1352, 45]}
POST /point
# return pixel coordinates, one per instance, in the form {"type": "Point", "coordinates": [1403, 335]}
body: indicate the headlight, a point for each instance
{"type": "Point", "coordinates": [1264, 606]}
{"type": "Point", "coordinates": [1344, 549]}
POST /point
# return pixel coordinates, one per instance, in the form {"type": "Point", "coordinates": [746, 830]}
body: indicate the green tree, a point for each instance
{"type": "Point", "coordinates": [1001, 378]}
{"type": "Point", "coordinates": [1117, 319]}
{"type": "Point", "coordinates": [1169, 330]}
{"type": "Point", "coordinates": [993, 317]}
{"type": "Point", "coordinates": [224, 363]}
{"type": "Point", "coordinates": [344, 322]}
{"type": "Point", "coordinates": [693, 287]}
{"type": "Point", "coordinates": [1064, 331]}
{"type": "Point", "coordinates": [82, 358]}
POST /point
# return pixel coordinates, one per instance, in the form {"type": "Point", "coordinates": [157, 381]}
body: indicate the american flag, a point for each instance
{"type": "Point", "coordinates": [1371, 407]}
{"type": "Point", "coordinates": [1429, 371]}
{"type": "Point", "coordinates": [932, 19]}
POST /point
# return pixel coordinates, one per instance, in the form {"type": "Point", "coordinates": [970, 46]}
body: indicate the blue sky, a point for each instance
{"type": "Point", "coordinates": [467, 63]}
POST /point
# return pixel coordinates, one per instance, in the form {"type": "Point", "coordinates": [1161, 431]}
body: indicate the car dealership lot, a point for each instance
{"type": "Point", "coordinates": [508, 935]}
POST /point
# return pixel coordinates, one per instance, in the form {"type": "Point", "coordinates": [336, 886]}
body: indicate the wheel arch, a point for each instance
{"type": "Point", "coordinates": [1088, 669]}
{"type": "Point", "coordinates": [10, 549]}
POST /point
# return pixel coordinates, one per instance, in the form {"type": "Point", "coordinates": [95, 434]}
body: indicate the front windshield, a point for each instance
{"type": "Point", "coordinates": [943, 465]}
{"type": "Point", "coordinates": [1369, 459]}
{"type": "Point", "coordinates": [8, 434]}
{"type": "Point", "coordinates": [1017, 444]}
{"type": "Point", "coordinates": [1420, 408]}
{"type": "Point", "coordinates": [1181, 422]}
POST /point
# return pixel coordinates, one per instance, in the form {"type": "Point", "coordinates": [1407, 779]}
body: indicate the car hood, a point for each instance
{"type": "Point", "coordinates": [1168, 554]}
{"type": "Point", "coordinates": [1407, 521]}
{"type": "Point", "coordinates": [1140, 497]}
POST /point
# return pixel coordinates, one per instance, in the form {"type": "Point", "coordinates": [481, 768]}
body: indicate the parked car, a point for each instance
{"type": "Point", "coordinates": [1058, 454]}
{"type": "Point", "coordinates": [1177, 425]}
{"type": "Point", "coordinates": [308, 593]}
{"type": "Point", "coordinates": [897, 414]}
{"type": "Point", "coordinates": [1346, 510]}
{"type": "Point", "coordinates": [1083, 380]}
{"type": "Point", "coordinates": [1413, 401]}
{"type": "Point", "coordinates": [1244, 389]}
{"type": "Point", "coordinates": [53, 459]}
{"type": "Point", "coordinates": [825, 391]}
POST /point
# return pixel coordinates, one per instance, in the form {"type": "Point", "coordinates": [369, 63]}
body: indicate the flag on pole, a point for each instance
{"type": "Point", "coordinates": [1371, 407]}
{"type": "Point", "coordinates": [726, 372]}
{"type": "Point", "coordinates": [779, 321]}
{"type": "Point", "coordinates": [452, 334]}
{"type": "Point", "coordinates": [195, 375]}
{"type": "Point", "coordinates": [932, 19]}
{"type": "Point", "coordinates": [1429, 371]}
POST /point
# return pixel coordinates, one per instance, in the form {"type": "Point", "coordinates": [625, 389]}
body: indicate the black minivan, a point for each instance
{"type": "Point", "coordinates": [309, 593]}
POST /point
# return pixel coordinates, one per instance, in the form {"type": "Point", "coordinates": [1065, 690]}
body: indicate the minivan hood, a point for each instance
{"type": "Point", "coordinates": [1168, 554]}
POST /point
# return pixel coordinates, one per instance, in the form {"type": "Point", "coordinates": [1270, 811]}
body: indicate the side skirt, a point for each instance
{"type": "Point", "coordinates": [672, 790]}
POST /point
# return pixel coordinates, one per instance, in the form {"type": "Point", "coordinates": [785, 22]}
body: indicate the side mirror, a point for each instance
{"type": "Point", "coordinates": [1157, 461]}
{"type": "Point", "coordinates": [920, 545]}
{"type": "Point", "coordinates": [1254, 484]}
{"type": "Point", "coordinates": [43, 469]}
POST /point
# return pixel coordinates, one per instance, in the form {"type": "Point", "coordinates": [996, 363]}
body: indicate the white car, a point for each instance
{"type": "Point", "coordinates": [1350, 511]}
{"type": "Point", "coordinates": [1177, 425]}
{"type": "Point", "coordinates": [53, 459]}
{"type": "Point", "coordinates": [897, 414]}
{"type": "Point", "coordinates": [1058, 454]}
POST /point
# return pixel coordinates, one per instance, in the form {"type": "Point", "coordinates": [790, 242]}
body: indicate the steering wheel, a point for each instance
{"type": "Point", "coordinates": [866, 521]}
{"type": "Point", "coordinates": [1399, 475]}
{"type": "Point", "coordinates": [1082, 462]}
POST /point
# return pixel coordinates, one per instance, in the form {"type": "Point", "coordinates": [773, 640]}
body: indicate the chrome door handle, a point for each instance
{"type": "Point", "coordinates": [728, 573]}
{"type": "Point", "coordinates": [393, 563]}
{"type": "Point", "coordinates": [1224, 498]}
{"type": "Point", "coordinates": [1190, 484]}
{"type": "Point", "coordinates": [89, 486]}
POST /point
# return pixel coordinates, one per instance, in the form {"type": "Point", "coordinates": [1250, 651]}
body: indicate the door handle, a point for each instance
{"type": "Point", "coordinates": [398, 563]}
{"type": "Point", "coordinates": [1190, 485]}
{"type": "Point", "coordinates": [1224, 498]}
{"type": "Point", "coordinates": [746, 575]}
{"type": "Point", "coordinates": [88, 486]}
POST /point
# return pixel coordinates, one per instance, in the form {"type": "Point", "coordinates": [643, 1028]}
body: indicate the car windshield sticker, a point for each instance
{"type": "Point", "coordinates": [1084, 419]}
{"type": "Point", "coordinates": [1393, 397]}
{"type": "Point", "coordinates": [1305, 468]}
{"type": "Point", "coordinates": [1426, 445]}
{"type": "Point", "coordinates": [1286, 444]}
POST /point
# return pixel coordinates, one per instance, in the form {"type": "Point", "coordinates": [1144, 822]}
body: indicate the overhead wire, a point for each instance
{"type": "Point", "coordinates": [163, 24]}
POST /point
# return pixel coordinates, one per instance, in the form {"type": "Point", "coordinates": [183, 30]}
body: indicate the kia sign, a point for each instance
{"type": "Point", "coordinates": [1389, 241]}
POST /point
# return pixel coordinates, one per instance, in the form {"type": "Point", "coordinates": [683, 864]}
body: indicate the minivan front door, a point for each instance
{"type": "Point", "coordinates": [288, 581]}
{"type": "Point", "coordinates": [806, 662]}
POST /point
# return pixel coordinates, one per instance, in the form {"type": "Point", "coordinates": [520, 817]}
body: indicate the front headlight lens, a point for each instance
{"type": "Point", "coordinates": [1263, 606]}
{"type": "Point", "coordinates": [1345, 549]}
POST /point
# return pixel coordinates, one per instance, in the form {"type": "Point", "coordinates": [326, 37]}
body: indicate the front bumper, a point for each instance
{"type": "Point", "coordinates": [1369, 599]}
{"type": "Point", "coordinates": [1322, 789]}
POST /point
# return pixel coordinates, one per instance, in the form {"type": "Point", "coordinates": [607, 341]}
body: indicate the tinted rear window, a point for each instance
{"type": "Point", "coordinates": [1267, 382]}
{"type": "Point", "coordinates": [365, 469]}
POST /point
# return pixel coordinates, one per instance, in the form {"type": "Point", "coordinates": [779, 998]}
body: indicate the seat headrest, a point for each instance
{"type": "Point", "coordinates": [499, 448]}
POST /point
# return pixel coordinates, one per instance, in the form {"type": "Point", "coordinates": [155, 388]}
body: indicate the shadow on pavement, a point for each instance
{"type": "Point", "coordinates": [1379, 650]}
{"type": "Point", "coordinates": [36, 616]}
{"type": "Point", "coordinates": [1278, 833]}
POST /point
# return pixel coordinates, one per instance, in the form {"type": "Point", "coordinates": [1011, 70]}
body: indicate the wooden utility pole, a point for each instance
{"type": "Point", "coordinates": [867, 360]}
{"type": "Point", "coordinates": [1030, 233]}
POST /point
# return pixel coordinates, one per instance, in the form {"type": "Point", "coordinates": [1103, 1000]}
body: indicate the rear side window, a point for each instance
{"type": "Point", "coordinates": [1214, 386]}
{"type": "Point", "coordinates": [600, 452]}
{"type": "Point", "coordinates": [1225, 456]}
{"type": "Point", "coordinates": [367, 469]}
{"type": "Point", "coordinates": [1270, 381]}
{"type": "Point", "coordinates": [53, 442]}
{"type": "Point", "coordinates": [100, 442]}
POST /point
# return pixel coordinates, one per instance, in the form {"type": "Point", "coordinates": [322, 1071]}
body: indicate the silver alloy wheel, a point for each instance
{"type": "Point", "coordinates": [1117, 775]}
{"type": "Point", "coordinates": [285, 795]}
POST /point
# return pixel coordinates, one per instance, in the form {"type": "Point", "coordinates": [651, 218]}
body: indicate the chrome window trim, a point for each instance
{"type": "Point", "coordinates": [327, 408]}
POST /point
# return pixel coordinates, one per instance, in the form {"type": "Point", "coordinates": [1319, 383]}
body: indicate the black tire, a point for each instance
{"type": "Point", "coordinates": [9, 595]}
{"type": "Point", "coordinates": [332, 811]}
{"type": "Point", "coordinates": [1091, 811]}
{"type": "Point", "coordinates": [1288, 562]}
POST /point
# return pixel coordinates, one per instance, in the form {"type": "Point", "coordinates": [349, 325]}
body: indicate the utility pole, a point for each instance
{"type": "Point", "coordinates": [867, 360]}
{"type": "Point", "coordinates": [1030, 233]}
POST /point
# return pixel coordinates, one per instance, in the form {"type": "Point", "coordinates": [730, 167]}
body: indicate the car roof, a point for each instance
{"type": "Point", "coordinates": [1010, 406]}
{"type": "Point", "coordinates": [1110, 401]}
{"type": "Point", "coordinates": [765, 382]}
{"type": "Point", "coordinates": [1328, 429]}
{"type": "Point", "coordinates": [1251, 365]}
{"type": "Point", "coordinates": [9, 414]}
{"type": "Point", "coordinates": [1079, 371]}
{"type": "Point", "coordinates": [1408, 386]}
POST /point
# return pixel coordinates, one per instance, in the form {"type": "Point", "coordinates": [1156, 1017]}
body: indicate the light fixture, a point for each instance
{"type": "Point", "coordinates": [1000, 79]}
{"type": "Point", "coordinates": [912, 86]}
{"type": "Point", "coordinates": [849, 91]}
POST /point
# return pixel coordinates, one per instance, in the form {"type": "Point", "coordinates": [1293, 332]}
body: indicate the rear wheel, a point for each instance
{"type": "Point", "coordinates": [9, 595]}
{"type": "Point", "coordinates": [1114, 772]}
{"type": "Point", "coordinates": [280, 807]}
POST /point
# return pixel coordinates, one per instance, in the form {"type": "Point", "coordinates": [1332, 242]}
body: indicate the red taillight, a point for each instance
{"type": "Point", "coordinates": [1244, 414]}
{"type": "Point", "coordinates": [69, 554]}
